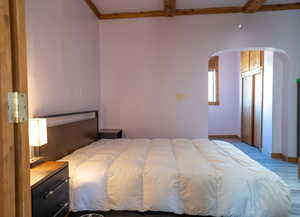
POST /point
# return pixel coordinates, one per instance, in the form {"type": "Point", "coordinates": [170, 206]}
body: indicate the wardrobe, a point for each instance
{"type": "Point", "coordinates": [252, 69]}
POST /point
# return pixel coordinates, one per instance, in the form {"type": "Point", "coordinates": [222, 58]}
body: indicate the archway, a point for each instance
{"type": "Point", "coordinates": [274, 114]}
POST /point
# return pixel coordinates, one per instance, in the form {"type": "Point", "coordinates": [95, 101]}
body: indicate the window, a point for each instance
{"type": "Point", "coordinates": [213, 81]}
{"type": "Point", "coordinates": [212, 95]}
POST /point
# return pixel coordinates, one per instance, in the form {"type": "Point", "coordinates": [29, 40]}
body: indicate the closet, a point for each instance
{"type": "Point", "coordinates": [251, 67]}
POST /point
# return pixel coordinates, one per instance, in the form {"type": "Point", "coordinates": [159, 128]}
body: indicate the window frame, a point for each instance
{"type": "Point", "coordinates": [213, 65]}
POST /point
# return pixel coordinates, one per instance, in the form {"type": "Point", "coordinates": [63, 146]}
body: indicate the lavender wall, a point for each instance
{"type": "Point", "coordinates": [280, 100]}
{"type": "Point", "coordinates": [267, 122]}
{"type": "Point", "coordinates": [63, 56]}
{"type": "Point", "coordinates": [224, 119]}
{"type": "Point", "coordinates": [146, 62]}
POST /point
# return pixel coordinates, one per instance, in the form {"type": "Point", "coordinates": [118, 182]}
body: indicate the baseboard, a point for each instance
{"type": "Point", "coordinates": [277, 156]}
{"type": "Point", "coordinates": [292, 160]}
{"type": "Point", "coordinates": [284, 158]}
{"type": "Point", "coordinates": [224, 137]}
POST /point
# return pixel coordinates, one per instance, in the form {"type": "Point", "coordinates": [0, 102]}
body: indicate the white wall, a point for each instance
{"type": "Point", "coordinates": [275, 100]}
{"type": "Point", "coordinates": [278, 71]}
{"type": "Point", "coordinates": [280, 99]}
{"type": "Point", "coordinates": [145, 62]}
{"type": "Point", "coordinates": [63, 70]}
{"type": "Point", "coordinates": [267, 122]}
{"type": "Point", "coordinates": [224, 119]}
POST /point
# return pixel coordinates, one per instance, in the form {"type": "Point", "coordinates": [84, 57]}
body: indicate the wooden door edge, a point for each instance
{"type": "Point", "coordinates": [19, 60]}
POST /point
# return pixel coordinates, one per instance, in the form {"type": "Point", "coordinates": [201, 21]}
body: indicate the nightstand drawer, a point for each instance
{"type": "Point", "coordinates": [51, 197]}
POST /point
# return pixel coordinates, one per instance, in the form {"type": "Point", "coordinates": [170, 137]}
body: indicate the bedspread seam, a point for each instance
{"type": "Point", "coordinates": [177, 174]}
{"type": "Point", "coordinates": [107, 169]}
{"type": "Point", "coordinates": [226, 153]}
{"type": "Point", "coordinates": [216, 175]}
{"type": "Point", "coordinates": [143, 177]}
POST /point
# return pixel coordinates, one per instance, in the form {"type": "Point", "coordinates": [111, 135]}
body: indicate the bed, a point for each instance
{"type": "Point", "coordinates": [195, 177]}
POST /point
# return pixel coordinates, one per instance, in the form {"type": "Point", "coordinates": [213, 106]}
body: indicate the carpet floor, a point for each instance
{"type": "Point", "coordinates": [287, 171]}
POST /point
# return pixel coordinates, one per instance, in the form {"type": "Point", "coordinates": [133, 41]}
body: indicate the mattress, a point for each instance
{"type": "Point", "coordinates": [196, 177]}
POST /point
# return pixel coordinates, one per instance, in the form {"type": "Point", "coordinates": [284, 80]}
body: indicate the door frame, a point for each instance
{"type": "Point", "coordinates": [14, 155]}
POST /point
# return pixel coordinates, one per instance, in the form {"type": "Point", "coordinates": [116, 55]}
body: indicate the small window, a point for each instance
{"type": "Point", "coordinates": [213, 81]}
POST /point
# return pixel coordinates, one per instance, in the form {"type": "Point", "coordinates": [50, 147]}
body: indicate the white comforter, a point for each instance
{"type": "Point", "coordinates": [197, 177]}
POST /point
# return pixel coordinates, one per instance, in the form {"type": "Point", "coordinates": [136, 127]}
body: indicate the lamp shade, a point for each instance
{"type": "Point", "coordinates": [37, 132]}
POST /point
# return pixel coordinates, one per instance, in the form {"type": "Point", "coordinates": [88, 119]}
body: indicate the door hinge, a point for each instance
{"type": "Point", "coordinates": [17, 107]}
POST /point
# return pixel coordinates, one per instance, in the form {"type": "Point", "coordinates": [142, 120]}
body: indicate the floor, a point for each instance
{"type": "Point", "coordinates": [287, 171]}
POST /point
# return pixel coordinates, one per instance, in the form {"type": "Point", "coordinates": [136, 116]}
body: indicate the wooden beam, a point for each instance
{"type": "Point", "coordinates": [280, 7]}
{"type": "Point", "coordinates": [179, 12]}
{"type": "Point", "coordinates": [253, 5]}
{"type": "Point", "coordinates": [93, 7]}
{"type": "Point", "coordinates": [170, 8]}
{"type": "Point", "coordinates": [200, 11]}
{"type": "Point", "coordinates": [126, 15]}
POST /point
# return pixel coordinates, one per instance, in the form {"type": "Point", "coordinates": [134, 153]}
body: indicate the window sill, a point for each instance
{"type": "Point", "coordinates": [214, 103]}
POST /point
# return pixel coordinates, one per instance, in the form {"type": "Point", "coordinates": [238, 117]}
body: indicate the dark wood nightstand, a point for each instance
{"type": "Point", "coordinates": [50, 189]}
{"type": "Point", "coordinates": [110, 134]}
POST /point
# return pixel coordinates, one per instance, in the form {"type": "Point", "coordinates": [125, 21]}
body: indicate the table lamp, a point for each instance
{"type": "Point", "coordinates": [37, 138]}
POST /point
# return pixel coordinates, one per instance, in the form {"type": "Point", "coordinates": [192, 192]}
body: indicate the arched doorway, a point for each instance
{"type": "Point", "coordinates": [267, 111]}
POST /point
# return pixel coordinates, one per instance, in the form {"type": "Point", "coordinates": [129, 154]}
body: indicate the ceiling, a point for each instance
{"type": "Point", "coordinates": [117, 6]}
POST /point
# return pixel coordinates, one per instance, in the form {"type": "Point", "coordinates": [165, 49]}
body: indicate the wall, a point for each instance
{"type": "Point", "coordinates": [267, 121]}
{"type": "Point", "coordinates": [146, 62]}
{"type": "Point", "coordinates": [277, 102]}
{"type": "Point", "coordinates": [63, 70]}
{"type": "Point", "coordinates": [223, 119]}
{"type": "Point", "coordinates": [286, 126]}
{"type": "Point", "coordinates": [280, 99]}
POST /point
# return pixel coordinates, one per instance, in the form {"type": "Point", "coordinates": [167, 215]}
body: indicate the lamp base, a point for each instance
{"type": "Point", "coordinates": [34, 161]}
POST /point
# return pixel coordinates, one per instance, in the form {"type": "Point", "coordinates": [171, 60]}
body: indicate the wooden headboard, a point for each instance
{"type": "Point", "coordinates": [65, 138]}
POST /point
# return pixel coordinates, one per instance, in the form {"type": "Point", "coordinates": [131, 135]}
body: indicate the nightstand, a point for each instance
{"type": "Point", "coordinates": [50, 189]}
{"type": "Point", "coordinates": [110, 134]}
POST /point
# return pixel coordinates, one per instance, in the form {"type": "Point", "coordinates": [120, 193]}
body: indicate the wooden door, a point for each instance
{"type": "Point", "coordinates": [244, 62]}
{"type": "Point", "coordinates": [247, 109]}
{"type": "Point", "coordinates": [258, 103]}
{"type": "Point", "coordinates": [15, 192]}
{"type": "Point", "coordinates": [7, 157]}
{"type": "Point", "coordinates": [255, 59]}
{"type": "Point", "coordinates": [252, 96]}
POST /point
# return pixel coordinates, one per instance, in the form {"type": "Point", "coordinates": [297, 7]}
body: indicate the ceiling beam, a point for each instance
{"type": "Point", "coordinates": [253, 5]}
{"type": "Point", "coordinates": [93, 7]}
{"type": "Point", "coordinates": [224, 10]}
{"type": "Point", "coordinates": [125, 15]}
{"type": "Point", "coordinates": [170, 8]}
{"type": "Point", "coordinates": [200, 11]}
{"type": "Point", "coordinates": [280, 7]}
{"type": "Point", "coordinates": [179, 12]}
